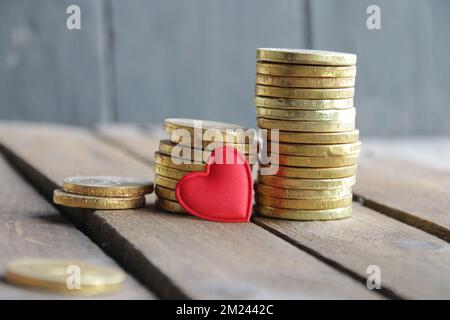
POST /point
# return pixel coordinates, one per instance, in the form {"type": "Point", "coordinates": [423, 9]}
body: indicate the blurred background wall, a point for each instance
{"type": "Point", "coordinates": [145, 60]}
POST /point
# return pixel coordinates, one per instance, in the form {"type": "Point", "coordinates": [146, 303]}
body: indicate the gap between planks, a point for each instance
{"type": "Point", "coordinates": [32, 228]}
{"type": "Point", "coordinates": [120, 136]}
{"type": "Point", "coordinates": [366, 227]}
{"type": "Point", "coordinates": [92, 225]}
{"type": "Point", "coordinates": [374, 174]}
{"type": "Point", "coordinates": [408, 192]}
{"type": "Point", "coordinates": [251, 263]}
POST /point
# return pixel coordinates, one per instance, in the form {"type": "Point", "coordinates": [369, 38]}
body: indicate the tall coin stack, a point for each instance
{"type": "Point", "coordinates": [308, 96]}
{"type": "Point", "coordinates": [194, 152]}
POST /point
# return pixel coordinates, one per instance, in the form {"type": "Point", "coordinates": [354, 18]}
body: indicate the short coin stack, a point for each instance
{"type": "Point", "coordinates": [308, 96]}
{"type": "Point", "coordinates": [190, 145]}
{"type": "Point", "coordinates": [103, 192]}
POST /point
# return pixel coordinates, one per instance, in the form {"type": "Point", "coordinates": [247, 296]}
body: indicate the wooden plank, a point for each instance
{"type": "Point", "coordinates": [401, 85]}
{"type": "Point", "coordinates": [427, 151]}
{"type": "Point", "coordinates": [413, 264]}
{"type": "Point", "coordinates": [408, 192]}
{"type": "Point", "coordinates": [31, 227]}
{"type": "Point", "coordinates": [369, 238]}
{"type": "Point", "coordinates": [425, 164]}
{"type": "Point", "coordinates": [197, 59]}
{"type": "Point", "coordinates": [172, 253]}
{"type": "Point", "coordinates": [132, 139]}
{"type": "Point", "coordinates": [44, 66]}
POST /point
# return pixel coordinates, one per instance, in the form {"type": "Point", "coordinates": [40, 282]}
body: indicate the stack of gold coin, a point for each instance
{"type": "Point", "coordinates": [307, 96]}
{"type": "Point", "coordinates": [103, 192]}
{"type": "Point", "coordinates": [188, 150]}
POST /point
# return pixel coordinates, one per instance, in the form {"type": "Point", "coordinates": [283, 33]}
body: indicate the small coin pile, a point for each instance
{"type": "Point", "coordinates": [103, 192]}
{"type": "Point", "coordinates": [189, 148]}
{"type": "Point", "coordinates": [59, 276]}
{"type": "Point", "coordinates": [308, 96]}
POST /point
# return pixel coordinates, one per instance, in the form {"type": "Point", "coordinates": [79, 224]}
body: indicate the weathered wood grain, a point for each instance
{"type": "Point", "coordinates": [408, 179]}
{"type": "Point", "coordinates": [133, 140]}
{"type": "Point", "coordinates": [427, 151]}
{"type": "Point", "coordinates": [413, 263]}
{"type": "Point", "coordinates": [176, 255]}
{"type": "Point", "coordinates": [31, 227]}
{"type": "Point", "coordinates": [369, 238]}
{"type": "Point", "coordinates": [406, 191]}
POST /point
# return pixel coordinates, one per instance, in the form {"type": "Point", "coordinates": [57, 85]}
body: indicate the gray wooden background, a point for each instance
{"type": "Point", "coordinates": [145, 60]}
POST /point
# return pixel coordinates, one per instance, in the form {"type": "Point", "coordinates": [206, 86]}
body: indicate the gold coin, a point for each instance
{"type": "Point", "coordinates": [302, 56]}
{"type": "Point", "coordinates": [91, 202]}
{"type": "Point", "coordinates": [165, 193]}
{"type": "Point", "coordinates": [53, 274]}
{"type": "Point", "coordinates": [247, 148]}
{"type": "Point", "coordinates": [316, 138]}
{"type": "Point", "coordinates": [279, 69]}
{"type": "Point", "coordinates": [302, 104]}
{"type": "Point", "coordinates": [294, 82]}
{"type": "Point", "coordinates": [166, 161]}
{"type": "Point", "coordinates": [301, 194]}
{"type": "Point", "coordinates": [168, 205]}
{"type": "Point", "coordinates": [107, 186]}
{"type": "Point", "coordinates": [301, 93]}
{"type": "Point", "coordinates": [316, 173]}
{"type": "Point", "coordinates": [202, 130]}
{"type": "Point", "coordinates": [313, 184]}
{"type": "Point", "coordinates": [345, 115]}
{"type": "Point", "coordinates": [315, 162]}
{"type": "Point", "coordinates": [306, 126]}
{"type": "Point", "coordinates": [306, 204]}
{"type": "Point", "coordinates": [192, 156]}
{"type": "Point", "coordinates": [306, 215]}
{"type": "Point", "coordinates": [166, 182]}
{"type": "Point", "coordinates": [169, 172]}
{"type": "Point", "coordinates": [319, 150]}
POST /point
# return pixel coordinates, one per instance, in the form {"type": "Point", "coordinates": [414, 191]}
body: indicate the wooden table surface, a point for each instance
{"type": "Point", "coordinates": [401, 223]}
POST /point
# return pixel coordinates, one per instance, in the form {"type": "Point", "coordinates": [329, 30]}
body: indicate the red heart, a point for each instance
{"type": "Point", "coordinates": [224, 192]}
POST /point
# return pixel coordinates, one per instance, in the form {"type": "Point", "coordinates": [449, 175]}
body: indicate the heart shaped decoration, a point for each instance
{"type": "Point", "coordinates": [223, 192]}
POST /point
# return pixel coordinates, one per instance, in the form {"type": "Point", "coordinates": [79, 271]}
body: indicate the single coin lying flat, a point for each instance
{"type": "Point", "coordinates": [107, 186]}
{"type": "Point", "coordinates": [56, 275]}
{"type": "Point", "coordinates": [100, 203]}
{"type": "Point", "coordinates": [304, 56]}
